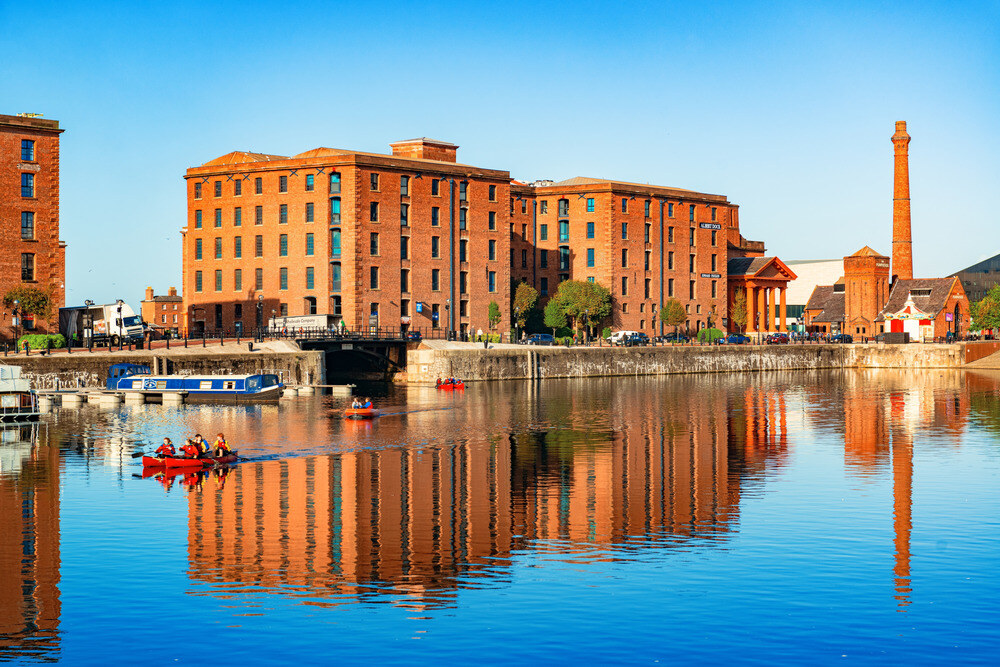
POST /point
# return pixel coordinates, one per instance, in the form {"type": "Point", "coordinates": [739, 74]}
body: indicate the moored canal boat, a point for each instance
{"type": "Point", "coordinates": [18, 402]}
{"type": "Point", "coordinates": [251, 388]}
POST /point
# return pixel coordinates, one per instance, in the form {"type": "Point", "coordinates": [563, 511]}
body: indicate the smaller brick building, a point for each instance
{"type": "Point", "coordinates": [164, 313]}
{"type": "Point", "coordinates": [927, 308]}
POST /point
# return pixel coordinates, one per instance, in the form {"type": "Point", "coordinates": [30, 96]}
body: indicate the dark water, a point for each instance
{"type": "Point", "coordinates": [789, 518]}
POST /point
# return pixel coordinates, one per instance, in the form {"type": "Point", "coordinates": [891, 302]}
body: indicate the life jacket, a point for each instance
{"type": "Point", "coordinates": [191, 451]}
{"type": "Point", "coordinates": [166, 450]}
{"type": "Point", "coordinates": [367, 405]}
{"type": "Point", "coordinates": [222, 446]}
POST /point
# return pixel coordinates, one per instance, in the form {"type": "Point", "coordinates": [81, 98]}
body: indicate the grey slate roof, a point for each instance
{"type": "Point", "coordinates": [933, 303]}
{"type": "Point", "coordinates": [746, 266]}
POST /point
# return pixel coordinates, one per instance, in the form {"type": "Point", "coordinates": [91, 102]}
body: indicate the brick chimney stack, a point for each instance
{"type": "Point", "coordinates": [902, 244]}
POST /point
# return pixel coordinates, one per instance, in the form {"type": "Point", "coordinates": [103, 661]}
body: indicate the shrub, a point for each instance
{"type": "Point", "coordinates": [606, 333]}
{"type": "Point", "coordinates": [564, 340]}
{"type": "Point", "coordinates": [38, 341]}
{"type": "Point", "coordinates": [710, 335]}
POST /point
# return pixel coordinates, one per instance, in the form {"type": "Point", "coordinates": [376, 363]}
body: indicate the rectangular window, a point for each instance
{"type": "Point", "coordinates": [590, 258]}
{"type": "Point", "coordinates": [373, 277]}
{"type": "Point", "coordinates": [335, 243]}
{"type": "Point", "coordinates": [543, 286]}
{"type": "Point", "coordinates": [238, 247]}
{"type": "Point", "coordinates": [649, 258]}
{"type": "Point", "coordinates": [217, 188]}
{"type": "Point", "coordinates": [27, 150]}
{"type": "Point", "coordinates": [624, 257]}
{"type": "Point", "coordinates": [670, 210]}
{"type": "Point", "coordinates": [404, 307]}
{"type": "Point", "coordinates": [27, 266]}
{"type": "Point", "coordinates": [218, 247]}
{"type": "Point", "coordinates": [563, 231]}
{"type": "Point", "coordinates": [543, 258]}
{"type": "Point", "coordinates": [283, 278]}
{"type": "Point", "coordinates": [624, 230]}
{"type": "Point", "coordinates": [404, 215]}
{"type": "Point", "coordinates": [310, 182]}
{"type": "Point", "coordinates": [218, 280]}
{"type": "Point", "coordinates": [374, 182]}
{"type": "Point", "coordinates": [334, 183]}
{"type": "Point", "coordinates": [715, 238]}
{"type": "Point", "coordinates": [283, 214]}
{"type": "Point", "coordinates": [670, 287]}
{"type": "Point", "coordinates": [624, 205]}
{"type": "Point", "coordinates": [258, 279]}
{"type": "Point", "coordinates": [715, 289]}
{"type": "Point", "coordinates": [590, 230]}
{"type": "Point", "coordinates": [282, 184]}
{"type": "Point", "coordinates": [463, 218]}
{"type": "Point", "coordinates": [197, 190]}
{"type": "Point", "coordinates": [238, 217]}
{"type": "Point", "coordinates": [670, 260]}
{"type": "Point", "coordinates": [238, 280]}
{"type": "Point", "coordinates": [524, 206]}
{"type": "Point", "coordinates": [335, 278]}
{"type": "Point", "coordinates": [258, 215]}
{"type": "Point", "coordinates": [493, 221]}
{"type": "Point", "coordinates": [310, 245]}
{"type": "Point", "coordinates": [404, 186]}
{"type": "Point", "coordinates": [197, 248]}
{"type": "Point", "coordinates": [310, 212]}
{"type": "Point", "coordinates": [435, 280]}
{"type": "Point", "coordinates": [373, 211]}
{"type": "Point", "coordinates": [258, 246]}
{"type": "Point", "coordinates": [197, 281]}
{"type": "Point", "coordinates": [524, 258]}
{"type": "Point", "coordinates": [715, 212]}
{"type": "Point", "coordinates": [335, 210]}
{"type": "Point", "coordinates": [624, 285]}
{"type": "Point", "coordinates": [373, 244]}
{"type": "Point", "coordinates": [310, 277]}
{"type": "Point", "coordinates": [648, 286]}
{"type": "Point", "coordinates": [283, 245]}
{"type": "Point", "coordinates": [691, 263]}
{"type": "Point", "coordinates": [27, 225]}
{"type": "Point", "coordinates": [197, 219]}
{"type": "Point", "coordinates": [563, 207]}
{"type": "Point", "coordinates": [463, 249]}
{"type": "Point", "coordinates": [691, 290]}
{"type": "Point", "coordinates": [404, 247]}
{"type": "Point", "coordinates": [238, 187]}
{"type": "Point", "coordinates": [463, 190]}
{"type": "Point", "coordinates": [435, 247]}
{"type": "Point", "coordinates": [590, 204]}
{"type": "Point", "coordinates": [691, 212]}
{"type": "Point", "coordinates": [492, 250]}
{"type": "Point", "coordinates": [258, 186]}
{"type": "Point", "coordinates": [563, 258]}
{"type": "Point", "coordinates": [524, 232]}
{"type": "Point", "coordinates": [463, 282]}
{"type": "Point", "coordinates": [543, 232]}
{"type": "Point", "coordinates": [670, 234]}
{"type": "Point", "coordinates": [435, 216]}
{"type": "Point", "coordinates": [493, 193]}
{"type": "Point", "coordinates": [545, 206]}
{"type": "Point", "coordinates": [435, 187]}
{"type": "Point", "coordinates": [492, 278]}
{"type": "Point", "coordinates": [649, 232]}
{"type": "Point", "coordinates": [218, 217]}
{"type": "Point", "coordinates": [648, 204]}
{"type": "Point", "coordinates": [714, 262]}
{"type": "Point", "coordinates": [283, 310]}
{"type": "Point", "coordinates": [404, 280]}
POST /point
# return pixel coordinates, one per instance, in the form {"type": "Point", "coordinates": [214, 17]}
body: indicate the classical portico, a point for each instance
{"type": "Point", "coordinates": [764, 281]}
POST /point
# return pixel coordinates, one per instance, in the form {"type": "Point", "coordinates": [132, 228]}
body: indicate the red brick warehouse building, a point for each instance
{"type": "Point", "coordinates": [31, 253]}
{"type": "Point", "coordinates": [371, 239]}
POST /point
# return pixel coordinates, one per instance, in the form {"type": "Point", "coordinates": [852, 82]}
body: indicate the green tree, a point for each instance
{"type": "Point", "coordinates": [31, 301]}
{"type": "Point", "coordinates": [673, 314]}
{"type": "Point", "coordinates": [585, 303]}
{"type": "Point", "coordinates": [986, 312]}
{"type": "Point", "coordinates": [738, 315]}
{"type": "Point", "coordinates": [555, 315]}
{"type": "Point", "coordinates": [525, 300]}
{"type": "Point", "coordinates": [494, 316]}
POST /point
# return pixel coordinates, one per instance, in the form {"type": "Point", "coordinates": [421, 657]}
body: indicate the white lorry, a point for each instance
{"type": "Point", "coordinates": [101, 324]}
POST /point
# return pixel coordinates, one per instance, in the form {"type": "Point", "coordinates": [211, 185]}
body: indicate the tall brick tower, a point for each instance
{"type": "Point", "coordinates": [902, 244]}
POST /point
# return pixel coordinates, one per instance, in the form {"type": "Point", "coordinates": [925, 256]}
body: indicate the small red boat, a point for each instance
{"type": "Point", "coordinates": [451, 386]}
{"type": "Point", "coordinates": [181, 462]}
{"type": "Point", "coordinates": [360, 413]}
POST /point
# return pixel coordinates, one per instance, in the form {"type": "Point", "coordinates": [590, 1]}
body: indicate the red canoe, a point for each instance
{"type": "Point", "coordinates": [359, 413]}
{"type": "Point", "coordinates": [451, 386]}
{"type": "Point", "coordinates": [180, 462]}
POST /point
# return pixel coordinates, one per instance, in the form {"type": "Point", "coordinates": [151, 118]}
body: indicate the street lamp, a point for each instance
{"type": "Point", "coordinates": [260, 316]}
{"type": "Point", "coordinates": [14, 313]}
{"type": "Point", "coordinates": [586, 326]}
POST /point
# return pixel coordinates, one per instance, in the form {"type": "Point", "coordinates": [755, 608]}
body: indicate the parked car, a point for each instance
{"type": "Point", "coordinates": [841, 338]}
{"type": "Point", "coordinates": [777, 338]}
{"type": "Point", "coordinates": [637, 338]}
{"type": "Point", "coordinates": [540, 339]}
{"type": "Point", "coordinates": [621, 337]}
{"type": "Point", "coordinates": [735, 339]}
{"type": "Point", "coordinates": [677, 337]}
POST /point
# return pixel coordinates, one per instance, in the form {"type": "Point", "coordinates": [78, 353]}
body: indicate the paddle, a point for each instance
{"type": "Point", "coordinates": [138, 454]}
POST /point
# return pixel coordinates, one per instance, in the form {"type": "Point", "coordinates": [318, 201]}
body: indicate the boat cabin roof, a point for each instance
{"type": "Point", "coordinates": [206, 377]}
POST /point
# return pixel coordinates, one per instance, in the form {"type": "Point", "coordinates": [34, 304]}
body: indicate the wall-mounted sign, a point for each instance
{"type": "Point", "coordinates": [420, 307]}
{"type": "Point", "coordinates": [949, 317]}
{"type": "Point", "coordinates": [711, 275]}
{"type": "Point", "coordinates": [405, 319]}
{"type": "Point", "coordinates": [710, 225]}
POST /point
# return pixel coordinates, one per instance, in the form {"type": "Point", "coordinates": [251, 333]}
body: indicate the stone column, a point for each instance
{"type": "Point", "coordinates": [751, 308]}
{"type": "Point", "coordinates": [766, 316]}
{"type": "Point", "coordinates": [783, 326]}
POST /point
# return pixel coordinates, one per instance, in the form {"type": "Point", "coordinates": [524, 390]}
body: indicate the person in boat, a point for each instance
{"type": "Point", "coordinates": [190, 449]}
{"type": "Point", "coordinates": [367, 404]}
{"type": "Point", "coordinates": [221, 447]}
{"type": "Point", "coordinates": [166, 449]}
{"type": "Point", "coordinates": [438, 383]}
{"type": "Point", "coordinates": [355, 404]}
{"type": "Point", "coordinates": [199, 442]}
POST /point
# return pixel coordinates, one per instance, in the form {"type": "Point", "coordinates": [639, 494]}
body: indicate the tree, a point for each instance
{"type": "Point", "coordinates": [555, 315]}
{"type": "Point", "coordinates": [494, 316]}
{"type": "Point", "coordinates": [738, 315]}
{"type": "Point", "coordinates": [525, 299]}
{"type": "Point", "coordinates": [986, 312]}
{"type": "Point", "coordinates": [585, 303]}
{"type": "Point", "coordinates": [31, 301]}
{"type": "Point", "coordinates": [673, 314]}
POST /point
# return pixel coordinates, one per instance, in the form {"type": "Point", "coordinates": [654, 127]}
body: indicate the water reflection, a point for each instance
{"type": "Point", "coordinates": [29, 544]}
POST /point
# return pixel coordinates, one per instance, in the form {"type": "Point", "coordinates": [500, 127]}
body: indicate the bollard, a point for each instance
{"type": "Point", "coordinates": [168, 343]}
{"type": "Point", "coordinates": [185, 341]}
{"type": "Point", "coordinates": [250, 346]}
{"type": "Point", "coordinates": [203, 343]}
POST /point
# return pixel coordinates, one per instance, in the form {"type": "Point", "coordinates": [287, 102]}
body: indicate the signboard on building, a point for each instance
{"type": "Point", "coordinates": [949, 317]}
{"type": "Point", "coordinates": [711, 275]}
{"type": "Point", "coordinates": [710, 225]}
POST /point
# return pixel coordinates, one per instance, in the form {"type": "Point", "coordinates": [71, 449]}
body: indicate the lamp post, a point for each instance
{"type": "Point", "coordinates": [260, 316]}
{"type": "Point", "coordinates": [118, 322]}
{"type": "Point", "coordinates": [14, 314]}
{"type": "Point", "coordinates": [586, 326]}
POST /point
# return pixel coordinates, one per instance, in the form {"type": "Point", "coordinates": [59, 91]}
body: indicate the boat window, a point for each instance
{"type": "Point", "coordinates": [270, 380]}
{"type": "Point", "coordinates": [137, 384]}
{"type": "Point", "coordinates": [253, 383]}
{"type": "Point", "coordinates": [229, 384]}
{"type": "Point", "coordinates": [161, 384]}
{"type": "Point", "coordinates": [205, 384]}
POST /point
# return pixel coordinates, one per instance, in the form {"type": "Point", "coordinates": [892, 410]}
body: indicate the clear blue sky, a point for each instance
{"type": "Point", "coordinates": [785, 107]}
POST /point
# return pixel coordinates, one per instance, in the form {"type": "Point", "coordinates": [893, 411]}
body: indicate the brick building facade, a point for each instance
{"type": "Point", "coordinates": [397, 239]}
{"type": "Point", "coordinates": [164, 312]}
{"type": "Point", "coordinates": [31, 253]}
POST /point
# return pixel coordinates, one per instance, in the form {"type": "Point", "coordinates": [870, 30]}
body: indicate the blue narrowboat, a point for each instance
{"type": "Point", "coordinates": [255, 387]}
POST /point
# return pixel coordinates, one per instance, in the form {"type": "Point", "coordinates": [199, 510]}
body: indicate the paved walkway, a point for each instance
{"type": "Point", "coordinates": [992, 361]}
{"type": "Point", "coordinates": [176, 349]}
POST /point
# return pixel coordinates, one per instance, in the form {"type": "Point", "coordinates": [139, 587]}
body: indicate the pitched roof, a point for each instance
{"type": "Point", "coordinates": [820, 295]}
{"type": "Point", "coordinates": [833, 308]}
{"type": "Point", "coordinates": [586, 180]}
{"type": "Point", "coordinates": [322, 151]}
{"type": "Point", "coordinates": [746, 266]}
{"type": "Point", "coordinates": [867, 251]}
{"type": "Point", "coordinates": [239, 157]}
{"type": "Point", "coordinates": [933, 296]}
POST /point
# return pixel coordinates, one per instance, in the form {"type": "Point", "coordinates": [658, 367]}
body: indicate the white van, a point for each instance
{"type": "Point", "coordinates": [619, 337]}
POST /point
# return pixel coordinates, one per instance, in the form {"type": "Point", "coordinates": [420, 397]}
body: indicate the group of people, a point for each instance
{"type": "Point", "coordinates": [196, 448]}
{"type": "Point", "coordinates": [447, 381]}
{"type": "Point", "coordinates": [361, 403]}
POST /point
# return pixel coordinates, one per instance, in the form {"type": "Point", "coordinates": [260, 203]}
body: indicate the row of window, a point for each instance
{"type": "Point", "coordinates": [563, 207]}
{"type": "Point", "coordinates": [374, 283]}
{"type": "Point", "coordinates": [648, 284]}
{"type": "Point", "coordinates": [310, 279]}
{"type": "Point", "coordinates": [258, 215]}
{"type": "Point", "coordinates": [310, 246]}
{"type": "Point", "coordinates": [543, 233]}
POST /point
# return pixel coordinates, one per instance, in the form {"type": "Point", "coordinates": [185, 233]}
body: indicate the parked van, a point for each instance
{"type": "Point", "coordinates": [621, 337]}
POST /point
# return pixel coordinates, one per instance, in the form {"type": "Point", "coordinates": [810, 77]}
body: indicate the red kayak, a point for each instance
{"type": "Point", "coordinates": [359, 413]}
{"type": "Point", "coordinates": [451, 386]}
{"type": "Point", "coordinates": [181, 462]}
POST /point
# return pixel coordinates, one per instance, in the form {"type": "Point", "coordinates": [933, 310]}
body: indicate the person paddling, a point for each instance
{"type": "Point", "coordinates": [202, 446]}
{"type": "Point", "coordinates": [190, 449]}
{"type": "Point", "coordinates": [367, 403]}
{"type": "Point", "coordinates": [166, 449]}
{"type": "Point", "coordinates": [221, 446]}
{"type": "Point", "coordinates": [355, 404]}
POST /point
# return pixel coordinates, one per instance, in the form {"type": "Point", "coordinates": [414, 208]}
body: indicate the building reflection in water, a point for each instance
{"type": "Point", "coordinates": [29, 544]}
{"type": "Point", "coordinates": [420, 522]}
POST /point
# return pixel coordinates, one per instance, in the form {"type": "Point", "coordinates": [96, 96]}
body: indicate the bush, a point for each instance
{"type": "Point", "coordinates": [42, 341]}
{"type": "Point", "coordinates": [564, 340]}
{"type": "Point", "coordinates": [710, 335]}
{"type": "Point", "coordinates": [606, 333]}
